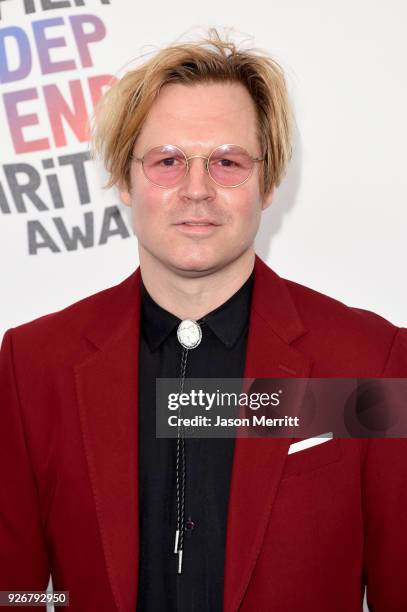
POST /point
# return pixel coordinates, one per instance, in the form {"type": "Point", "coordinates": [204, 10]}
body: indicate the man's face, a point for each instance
{"type": "Point", "coordinates": [197, 119]}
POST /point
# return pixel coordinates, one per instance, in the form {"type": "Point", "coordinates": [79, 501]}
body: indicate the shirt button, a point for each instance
{"type": "Point", "coordinates": [189, 525]}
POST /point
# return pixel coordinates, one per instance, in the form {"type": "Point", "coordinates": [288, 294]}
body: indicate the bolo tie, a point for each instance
{"type": "Point", "coordinates": [189, 334]}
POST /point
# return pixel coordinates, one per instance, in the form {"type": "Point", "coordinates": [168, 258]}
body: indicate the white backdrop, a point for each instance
{"type": "Point", "coordinates": [338, 222]}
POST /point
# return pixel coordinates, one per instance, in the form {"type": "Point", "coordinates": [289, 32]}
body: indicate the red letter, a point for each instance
{"type": "Point", "coordinates": [17, 122]}
{"type": "Point", "coordinates": [58, 109]}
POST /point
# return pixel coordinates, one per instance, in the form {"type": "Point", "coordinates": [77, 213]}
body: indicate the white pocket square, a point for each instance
{"type": "Point", "coordinates": [303, 444]}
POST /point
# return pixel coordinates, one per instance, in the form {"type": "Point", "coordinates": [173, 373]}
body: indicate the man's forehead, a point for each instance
{"type": "Point", "coordinates": [200, 113]}
{"type": "Point", "coordinates": [213, 108]}
{"type": "Point", "coordinates": [212, 99]}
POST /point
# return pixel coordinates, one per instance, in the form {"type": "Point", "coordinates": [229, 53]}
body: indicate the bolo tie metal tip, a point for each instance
{"type": "Point", "coordinates": [180, 561]}
{"type": "Point", "coordinates": [176, 541]}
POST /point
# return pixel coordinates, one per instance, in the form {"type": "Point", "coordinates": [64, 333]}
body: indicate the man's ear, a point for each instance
{"type": "Point", "coordinates": [124, 192]}
{"type": "Point", "coordinates": [267, 199]}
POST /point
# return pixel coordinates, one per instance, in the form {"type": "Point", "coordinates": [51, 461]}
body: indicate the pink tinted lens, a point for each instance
{"type": "Point", "coordinates": [165, 165]}
{"type": "Point", "coordinates": [230, 165]}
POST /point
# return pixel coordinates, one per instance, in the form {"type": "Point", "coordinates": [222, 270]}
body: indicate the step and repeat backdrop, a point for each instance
{"type": "Point", "coordinates": [338, 221]}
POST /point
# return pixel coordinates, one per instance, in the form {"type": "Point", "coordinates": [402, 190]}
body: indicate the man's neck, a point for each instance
{"type": "Point", "coordinates": [193, 297]}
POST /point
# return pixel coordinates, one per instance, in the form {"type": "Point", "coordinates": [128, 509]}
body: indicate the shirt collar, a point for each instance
{"type": "Point", "coordinates": [227, 321]}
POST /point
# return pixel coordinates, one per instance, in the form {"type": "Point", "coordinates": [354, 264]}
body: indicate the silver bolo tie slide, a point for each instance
{"type": "Point", "coordinates": [189, 334]}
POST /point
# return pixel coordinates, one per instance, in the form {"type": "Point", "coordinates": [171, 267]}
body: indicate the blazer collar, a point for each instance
{"type": "Point", "coordinates": [107, 392]}
{"type": "Point", "coordinates": [271, 300]}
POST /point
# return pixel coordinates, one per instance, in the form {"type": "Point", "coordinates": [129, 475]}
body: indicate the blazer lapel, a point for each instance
{"type": "Point", "coordinates": [107, 390]}
{"type": "Point", "coordinates": [258, 462]}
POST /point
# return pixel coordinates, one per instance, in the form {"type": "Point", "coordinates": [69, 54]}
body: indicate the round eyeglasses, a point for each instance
{"type": "Point", "coordinates": [228, 165]}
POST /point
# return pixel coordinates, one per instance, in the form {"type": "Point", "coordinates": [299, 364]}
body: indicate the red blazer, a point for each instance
{"type": "Point", "coordinates": [305, 531]}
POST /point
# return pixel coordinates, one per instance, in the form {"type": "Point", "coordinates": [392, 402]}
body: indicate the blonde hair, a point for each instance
{"type": "Point", "coordinates": [122, 110]}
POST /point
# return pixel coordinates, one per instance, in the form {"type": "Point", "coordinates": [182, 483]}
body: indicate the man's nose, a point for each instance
{"type": "Point", "coordinates": [197, 184]}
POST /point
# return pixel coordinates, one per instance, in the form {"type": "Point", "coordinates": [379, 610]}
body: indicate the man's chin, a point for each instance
{"type": "Point", "coordinates": [195, 266]}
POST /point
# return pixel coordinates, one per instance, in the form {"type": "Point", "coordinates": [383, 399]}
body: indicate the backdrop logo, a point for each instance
{"type": "Point", "coordinates": [30, 6]}
{"type": "Point", "coordinates": [50, 86]}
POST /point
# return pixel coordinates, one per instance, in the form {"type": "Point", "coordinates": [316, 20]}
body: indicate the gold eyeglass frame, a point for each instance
{"type": "Point", "coordinates": [187, 166]}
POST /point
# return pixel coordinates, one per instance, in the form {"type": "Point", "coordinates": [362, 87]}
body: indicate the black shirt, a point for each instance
{"type": "Point", "coordinates": [221, 354]}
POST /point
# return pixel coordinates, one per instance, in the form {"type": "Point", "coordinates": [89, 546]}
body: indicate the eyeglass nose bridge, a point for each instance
{"type": "Point", "coordinates": [202, 157]}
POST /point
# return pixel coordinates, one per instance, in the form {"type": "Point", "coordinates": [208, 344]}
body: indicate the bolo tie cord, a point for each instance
{"type": "Point", "coordinates": [180, 472]}
{"type": "Point", "coordinates": [180, 459]}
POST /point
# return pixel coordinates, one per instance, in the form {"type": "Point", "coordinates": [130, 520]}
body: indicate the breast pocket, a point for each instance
{"type": "Point", "coordinates": [312, 458]}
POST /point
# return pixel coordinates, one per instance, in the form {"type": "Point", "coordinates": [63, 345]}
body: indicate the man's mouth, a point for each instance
{"type": "Point", "coordinates": [202, 221]}
{"type": "Point", "coordinates": [197, 227]}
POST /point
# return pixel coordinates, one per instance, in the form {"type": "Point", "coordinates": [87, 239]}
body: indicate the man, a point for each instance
{"type": "Point", "coordinates": [196, 139]}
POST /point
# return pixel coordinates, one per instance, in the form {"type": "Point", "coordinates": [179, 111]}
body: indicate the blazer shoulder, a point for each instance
{"type": "Point", "coordinates": [65, 326]}
{"type": "Point", "coordinates": [348, 336]}
{"type": "Point", "coordinates": [318, 308]}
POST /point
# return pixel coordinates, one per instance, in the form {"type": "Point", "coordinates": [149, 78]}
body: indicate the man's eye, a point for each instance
{"type": "Point", "coordinates": [227, 163]}
{"type": "Point", "coordinates": [169, 161]}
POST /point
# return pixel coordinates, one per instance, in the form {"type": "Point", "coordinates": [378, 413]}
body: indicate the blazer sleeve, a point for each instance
{"type": "Point", "coordinates": [23, 557]}
{"type": "Point", "coordinates": [384, 477]}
